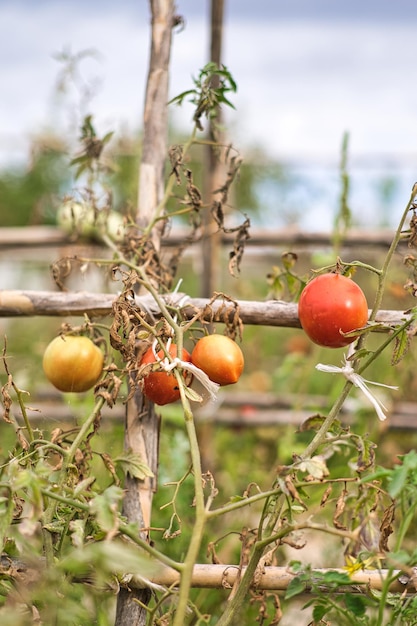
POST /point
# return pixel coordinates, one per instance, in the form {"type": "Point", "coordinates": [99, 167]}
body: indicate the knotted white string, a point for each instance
{"type": "Point", "coordinates": [208, 384]}
{"type": "Point", "coordinates": [169, 364]}
{"type": "Point", "coordinates": [360, 382]}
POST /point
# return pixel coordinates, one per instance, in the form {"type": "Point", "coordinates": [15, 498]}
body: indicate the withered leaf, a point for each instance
{"type": "Point", "coordinates": [386, 527]}
{"type": "Point", "coordinates": [292, 491]}
{"type": "Point", "coordinates": [340, 508]}
{"type": "Point", "coordinates": [326, 495]}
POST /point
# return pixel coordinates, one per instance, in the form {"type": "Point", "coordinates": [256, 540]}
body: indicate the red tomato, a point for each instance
{"type": "Point", "coordinates": [332, 304]}
{"type": "Point", "coordinates": [219, 357]}
{"type": "Point", "coordinates": [72, 363]}
{"type": "Point", "coordinates": [162, 387]}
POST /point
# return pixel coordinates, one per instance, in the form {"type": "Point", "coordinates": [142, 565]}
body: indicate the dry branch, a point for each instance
{"type": "Point", "coordinates": [25, 303]}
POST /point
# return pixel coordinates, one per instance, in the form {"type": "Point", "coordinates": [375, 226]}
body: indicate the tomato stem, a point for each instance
{"type": "Point", "coordinates": [200, 511]}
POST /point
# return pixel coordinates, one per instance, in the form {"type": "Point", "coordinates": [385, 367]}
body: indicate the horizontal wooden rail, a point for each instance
{"type": "Point", "coordinates": [51, 236]}
{"type": "Point", "coordinates": [273, 578]}
{"type": "Point", "coordinates": [26, 303]}
{"type": "Point", "coordinates": [217, 576]}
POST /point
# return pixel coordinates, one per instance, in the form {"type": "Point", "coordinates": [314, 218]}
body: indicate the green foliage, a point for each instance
{"type": "Point", "coordinates": [211, 87]}
{"type": "Point", "coordinates": [28, 196]}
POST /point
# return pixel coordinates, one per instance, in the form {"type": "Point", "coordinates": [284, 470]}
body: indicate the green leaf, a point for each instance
{"type": "Point", "coordinates": [105, 558]}
{"type": "Point", "coordinates": [401, 345]}
{"type": "Point", "coordinates": [105, 508]}
{"type": "Point", "coordinates": [80, 159]}
{"type": "Point", "coordinates": [180, 98]}
{"type": "Point", "coordinates": [107, 137]}
{"type": "Point", "coordinates": [398, 479]}
{"type": "Point", "coordinates": [336, 578]}
{"type": "Point", "coordinates": [355, 604]}
{"type": "Point", "coordinates": [6, 517]}
{"type": "Point", "coordinates": [319, 612]}
{"type": "Point", "coordinates": [296, 586]}
{"type": "Point", "coordinates": [236, 498]}
{"type": "Point", "coordinates": [192, 395]}
{"type": "Point", "coordinates": [132, 463]}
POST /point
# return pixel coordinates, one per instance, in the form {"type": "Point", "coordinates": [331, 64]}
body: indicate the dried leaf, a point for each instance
{"type": "Point", "coordinates": [7, 399]}
{"type": "Point", "coordinates": [326, 495]}
{"type": "Point", "coordinates": [235, 257]}
{"type": "Point", "coordinates": [315, 467]}
{"type": "Point", "coordinates": [212, 554]}
{"type": "Point", "coordinates": [340, 508]}
{"type": "Point", "coordinates": [386, 527]}
{"type": "Point", "coordinates": [107, 460]}
{"type": "Point", "coordinates": [292, 491]}
{"type": "Point", "coordinates": [366, 456]}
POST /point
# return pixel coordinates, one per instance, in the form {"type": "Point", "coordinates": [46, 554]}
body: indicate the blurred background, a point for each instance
{"type": "Point", "coordinates": [307, 72]}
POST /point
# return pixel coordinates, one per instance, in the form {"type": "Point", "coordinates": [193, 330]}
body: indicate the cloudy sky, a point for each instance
{"type": "Point", "coordinates": [307, 70]}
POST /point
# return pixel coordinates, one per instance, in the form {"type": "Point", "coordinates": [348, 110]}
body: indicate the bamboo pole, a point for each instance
{"type": "Point", "coordinates": [218, 576]}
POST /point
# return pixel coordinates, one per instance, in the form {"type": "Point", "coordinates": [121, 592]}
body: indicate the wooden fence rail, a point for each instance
{"type": "Point", "coordinates": [25, 303]}
{"type": "Point", "coordinates": [235, 408]}
{"type": "Point", "coordinates": [52, 236]}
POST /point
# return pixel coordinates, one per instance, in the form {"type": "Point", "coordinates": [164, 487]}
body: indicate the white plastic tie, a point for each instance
{"type": "Point", "coordinates": [360, 382]}
{"type": "Point", "coordinates": [169, 364]}
{"type": "Point", "coordinates": [201, 376]}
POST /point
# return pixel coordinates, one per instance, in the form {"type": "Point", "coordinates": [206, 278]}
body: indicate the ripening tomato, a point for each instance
{"type": "Point", "coordinates": [332, 304]}
{"type": "Point", "coordinates": [162, 387]}
{"type": "Point", "coordinates": [219, 357]}
{"type": "Point", "coordinates": [72, 363]}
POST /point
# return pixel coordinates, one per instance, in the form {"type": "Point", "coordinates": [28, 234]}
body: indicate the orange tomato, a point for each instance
{"type": "Point", "coordinates": [219, 357]}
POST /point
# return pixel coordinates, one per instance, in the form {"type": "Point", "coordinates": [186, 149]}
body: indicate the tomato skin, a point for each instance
{"type": "Point", "coordinates": [72, 363]}
{"type": "Point", "coordinates": [331, 304]}
{"type": "Point", "coordinates": [219, 357]}
{"type": "Point", "coordinates": [162, 387]}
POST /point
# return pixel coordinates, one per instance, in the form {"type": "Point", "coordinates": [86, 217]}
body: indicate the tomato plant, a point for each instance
{"type": "Point", "coordinates": [162, 387]}
{"type": "Point", "coordinates": [72, 363]}
{"type": "Point", "coordinates": [330, 305]}
{"type": "Point", "coordinates": [219, 357]}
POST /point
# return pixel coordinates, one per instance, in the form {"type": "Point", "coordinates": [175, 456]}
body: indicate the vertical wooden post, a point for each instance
{"type": "Point", "coordinates": [215, 168]}
{"type": "Point", "coordinates": [142, 422]}
{"type": "Point", "coordinates": [211, 248]}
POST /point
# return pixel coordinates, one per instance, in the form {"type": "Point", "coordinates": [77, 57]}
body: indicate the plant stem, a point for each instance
{"type": "Point", "coordinates": [235, 605]}
{"type": "Point", "coordinates": [384, 271]}
{"type": "Point", "coordinates": [320, 436]}
{"type": "Point", "coordinates": [200, 513]}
